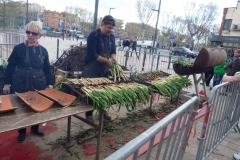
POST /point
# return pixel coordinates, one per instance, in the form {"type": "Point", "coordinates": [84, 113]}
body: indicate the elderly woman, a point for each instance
{"type": "Point", "coordinates": [28, 69]}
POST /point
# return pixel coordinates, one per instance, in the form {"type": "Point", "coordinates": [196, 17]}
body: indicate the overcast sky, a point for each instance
{"type": "Point", "coordinates": [126, 10]}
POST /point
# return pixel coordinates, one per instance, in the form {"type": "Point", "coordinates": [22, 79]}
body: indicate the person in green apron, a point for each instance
{"type": "Point", "coordinates": [101, 54]}
{"type": "Point", "coordinates": [28, 69]}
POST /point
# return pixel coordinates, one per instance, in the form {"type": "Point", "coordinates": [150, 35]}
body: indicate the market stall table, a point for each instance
{"type": "Point", "coordinates": [24, 116]}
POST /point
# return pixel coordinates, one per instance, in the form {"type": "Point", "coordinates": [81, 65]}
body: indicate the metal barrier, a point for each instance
{"type": "Point", "coordinates": [144, 60]}
{"type": "Point", "coordinates": [5, 51]}
{"type": "Point", "coordinates": [12, 38]}
{"type": "Point", "coordinates": [176, 143]}
{"type": "Point", "coordinates": [222, 115]}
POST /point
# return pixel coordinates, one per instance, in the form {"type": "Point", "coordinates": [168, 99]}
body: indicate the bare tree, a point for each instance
{"type": "Point", "coordinates": [145, 12]}
{"type": "Point", "coordinates": [70, 16]}
{"type": "Point", "coordinates": [34, 12]}
{"type": "Point", "coordinates": [134, 29]}
{"type": "Point", "coordinates": [8, 15]}
{"type": "Point", "coordinates": [215, 29]}
{"type": "Point", "coordinates": [85, 17]}
{"type": "Point", "coordinates": [198, 18]}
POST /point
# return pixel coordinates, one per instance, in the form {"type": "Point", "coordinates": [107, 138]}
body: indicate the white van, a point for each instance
{"type": "Point", "coordinates": [147, 44]}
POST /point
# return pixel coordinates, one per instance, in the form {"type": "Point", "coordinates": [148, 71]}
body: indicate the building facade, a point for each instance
{"type": "Point", "coordinates": [229, 33]}
{"type": "Point", "coordinates": [231, 21]}
{"type": "Point", "coordinates": [53, 19]}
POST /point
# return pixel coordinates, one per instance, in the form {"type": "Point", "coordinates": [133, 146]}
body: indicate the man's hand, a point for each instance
{"type": "Point", "coordinates": [114, 60]}
{"type": "Point", "coordinates": [109, 63]}
{"type": "Point", "coordinates": [113, 57]}
{"type": "Point", "coordinates": [6, 89]}
{"type": "Point", "coordinates": [227, 79]}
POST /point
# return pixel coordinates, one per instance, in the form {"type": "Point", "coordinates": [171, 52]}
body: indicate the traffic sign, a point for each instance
{"type": "Point", "coordinates": [171, 38]}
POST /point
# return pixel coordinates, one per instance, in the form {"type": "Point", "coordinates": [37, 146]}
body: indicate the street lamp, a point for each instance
{"type": "Point", "coordinates": [156, 30]}
{"type": "Point", "coordinates": [95, 15]}
{"type": "Point", "coordinates": [110, 10]}
{"type": "Point", "coordinates": [27, 12]}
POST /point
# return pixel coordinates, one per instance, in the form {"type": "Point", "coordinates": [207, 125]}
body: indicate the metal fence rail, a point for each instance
{"type": "Point", "coordinates": [12, 38]}
{"type": "Point", "coordinates": [176, 142]}
{"type": "Point", "coordinates": [221, 117]}
{"type": "Point", "coordinates": [145, 60]}
{"type": "Point", "coordinates": [5, 51]}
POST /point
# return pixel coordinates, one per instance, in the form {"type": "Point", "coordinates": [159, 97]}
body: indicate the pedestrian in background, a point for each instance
{"type": "Point", "coordinates": [134, 46]}
{"type": "Point", "coordinates": [219, 71]}
{"type": "Point", "coordinates": [126, 46]}
{"type": "Point", "coordinates": [234, 65]}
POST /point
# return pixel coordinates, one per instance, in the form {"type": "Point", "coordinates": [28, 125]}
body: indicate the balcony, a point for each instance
{"type": "Point", "coordinates": [236, 27]}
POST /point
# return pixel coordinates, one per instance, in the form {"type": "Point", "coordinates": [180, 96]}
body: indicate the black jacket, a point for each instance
{"type": "Point", "coordinates": [234, 66]}
{"type": "Point", "coordinates": [18, 56]}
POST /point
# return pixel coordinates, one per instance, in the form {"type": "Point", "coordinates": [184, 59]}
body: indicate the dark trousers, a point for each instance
{"type": "Point", "coordinates": [89, 113]}
{"type": "Point", "coordinates": [209, 76]}
{"type": "Point", "coordinates": [217, 79]}
{"type": "Point", "coordinates": [23, 130]}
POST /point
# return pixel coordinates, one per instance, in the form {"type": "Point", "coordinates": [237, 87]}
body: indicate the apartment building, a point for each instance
{"type": "Point", "coordinates": [53, 19]}
{"type": "Point", "coordinates": [229, 33]}
{"type": "Point", "coordinates": [231, 21]}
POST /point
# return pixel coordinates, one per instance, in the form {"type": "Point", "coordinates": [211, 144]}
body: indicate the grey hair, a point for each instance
{"type": "Point", "coordinates": [35, 25]}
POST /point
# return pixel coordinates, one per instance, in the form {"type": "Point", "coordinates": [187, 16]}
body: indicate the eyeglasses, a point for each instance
{"type": "Point", "coordinates": [33, 33]}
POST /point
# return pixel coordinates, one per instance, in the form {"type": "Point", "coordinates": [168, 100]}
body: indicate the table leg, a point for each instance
{"type": "Point", "coordinates": [69, 128]}
{"type": "Point", "coordinates": [151, 102]}
{"type": "Point", "coordinates": [99, 135]}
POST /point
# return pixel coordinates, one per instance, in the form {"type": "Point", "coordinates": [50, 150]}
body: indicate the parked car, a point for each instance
{"type": "Point", "coordinates": [182, 51]}
{"type": "Point", "coordinates": [80, 36]}
{"type": "Point", "coordinates": [139, 43]}
{"type": "Point", "coordinates": [147, 44]}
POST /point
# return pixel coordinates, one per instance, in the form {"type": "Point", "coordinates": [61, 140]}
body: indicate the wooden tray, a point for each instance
{"type": "Point", "coordinates": [6, 104]}
{"type": "Point", "coordinates": [37, 102]}
{"type": "Point", "coordinates": [61, 98]}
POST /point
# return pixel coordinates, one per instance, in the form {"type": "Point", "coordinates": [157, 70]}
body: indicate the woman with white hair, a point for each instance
{"type": "Point", "coordinates": [28, 69]}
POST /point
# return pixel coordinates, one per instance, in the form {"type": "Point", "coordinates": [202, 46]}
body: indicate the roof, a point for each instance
{"type": "Point", "coordinates": [230, 39]}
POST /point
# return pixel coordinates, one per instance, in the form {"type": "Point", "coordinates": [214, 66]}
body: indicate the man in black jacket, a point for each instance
{"type": "Point", "coordinates": [101, 54]}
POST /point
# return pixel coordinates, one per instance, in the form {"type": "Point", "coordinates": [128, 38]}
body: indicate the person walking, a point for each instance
{"type": "Point", "coordinates": [33, 69]}
{"type": "Point", "coordinates": [209, 76]}
{"type": "Point", "coordinates": [134, 46]}
{"type": "Point", "coordinates": [101, 54]}
{"type": "Point", "coordinates": [219, 71]}
{"type": "Point", "coordinates": [234, 65]}
{"type": "Point", "coordinates": [126, 47]}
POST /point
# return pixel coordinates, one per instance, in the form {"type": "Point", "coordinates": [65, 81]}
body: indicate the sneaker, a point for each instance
{"type": "Point", "coordinates": [237, 156]}
{"type": "Point", "coordinates": [90, 118]}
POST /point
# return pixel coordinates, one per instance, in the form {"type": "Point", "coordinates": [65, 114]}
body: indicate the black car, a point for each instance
{"type": "Point", "coordinates": [182, 51]}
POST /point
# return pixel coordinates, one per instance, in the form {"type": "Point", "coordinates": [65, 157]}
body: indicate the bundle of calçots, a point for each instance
{"type": "Point", "coordinates": [128, 95]}
{"type": "Point", "coordinates": [90, 81]}
{"type": "Point", "coordinates": [118, 74]}
{"type": "Point", "coordinates": [170, 86]}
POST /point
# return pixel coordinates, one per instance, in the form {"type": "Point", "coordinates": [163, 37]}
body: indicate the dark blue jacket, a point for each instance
{"type": "Point", "coordinates": [96, 42]}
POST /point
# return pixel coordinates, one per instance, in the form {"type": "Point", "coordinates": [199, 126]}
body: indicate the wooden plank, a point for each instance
{"type": "Point", "coordinates": [24, 116]}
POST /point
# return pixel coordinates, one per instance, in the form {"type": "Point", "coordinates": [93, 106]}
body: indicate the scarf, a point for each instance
{"type": "Point", "coordinates": [31, 45]}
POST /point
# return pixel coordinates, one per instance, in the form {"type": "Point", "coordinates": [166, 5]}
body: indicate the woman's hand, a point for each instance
{"type": "Point", "coordinates": [50, 86]}
{"type": "Point", "coordinates": [6, 89]}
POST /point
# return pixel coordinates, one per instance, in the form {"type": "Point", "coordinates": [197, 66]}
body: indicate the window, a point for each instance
{"type": "Point", "coordinates": [227, 24]}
